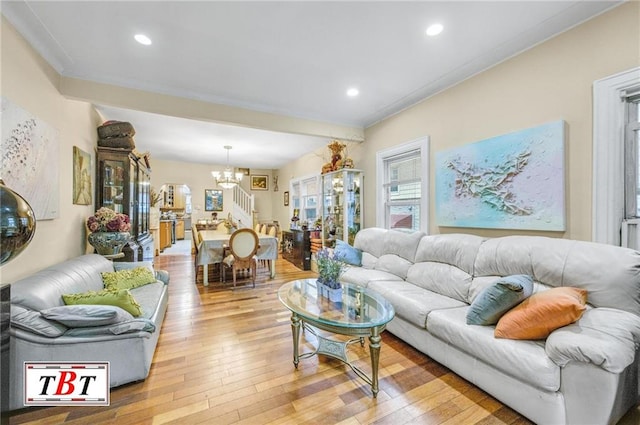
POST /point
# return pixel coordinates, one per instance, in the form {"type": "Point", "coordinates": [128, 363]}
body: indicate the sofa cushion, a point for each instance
{"type": "Point", "coordinates": [611, 275]}
{"type": "Point", "coordinates": [402, 244]}
{"type": "Point", "coordinates": [148, 297]}
{"type": "Point", "coordinates": [441, 278]}
{"type": "Point", "coordinates": [459, 250]}
{"type": "Point", "coordinates": [368, 260]}
{"type": "Point", "coordinates": [80, 316]}
{"type": "Point", "coordinates": [121, 298]}
{"type": "Point", "coordinates": [495, 300]}
{"type": "Point", "coordinates": [130, 326]}
{"type": "Point", "coordinates": [79, 274]}
{"type": "Point", "coordinates": [524, 360]}
{"type": "Point", "coordinates": [361, 276]}
{"type": "Point", "coordinates": [348, 254]}
{"type": "Point", "coordinates": [411, 302]}
{"type": "Point", "coordinates": [393, 264]}
{"type": "Point", "coordinates": [371, 240]}
{"type": "Point", "coordinates": [541, 313]}
{"type": "Point", "coordinates": [128, 278]}
{"type": "Point", "coordinates": [32, 321]}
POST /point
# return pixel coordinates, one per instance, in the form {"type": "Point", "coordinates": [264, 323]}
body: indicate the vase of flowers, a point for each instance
{"type": "Point", "coordinates": [330, 268]}
{"type": "Point", "coordinates": [109, 231]}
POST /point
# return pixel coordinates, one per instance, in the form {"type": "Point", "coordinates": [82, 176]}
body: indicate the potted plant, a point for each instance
{"type": "Point", "coordinates": [330, 268]}
{"type": "Point", "coordinates": [109, 231]}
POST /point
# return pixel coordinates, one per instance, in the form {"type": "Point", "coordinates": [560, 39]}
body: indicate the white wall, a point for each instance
{"type": "Point", "coordinates": [31, 83]}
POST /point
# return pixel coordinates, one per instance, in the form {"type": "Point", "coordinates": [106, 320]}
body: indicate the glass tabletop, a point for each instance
{"type": "Point", "coordinates": [359, 308]}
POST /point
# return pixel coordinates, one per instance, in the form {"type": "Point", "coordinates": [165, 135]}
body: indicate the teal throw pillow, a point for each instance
{"type": "Point", "coordinates": [347, 253]}
{"type": "Point", "coordinates": [495, 300]}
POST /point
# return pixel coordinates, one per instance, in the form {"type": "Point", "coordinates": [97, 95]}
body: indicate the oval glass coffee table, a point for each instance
{"type": "Point", "coordinates": [360, 313]}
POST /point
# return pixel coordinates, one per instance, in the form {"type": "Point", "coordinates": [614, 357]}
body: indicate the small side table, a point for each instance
{"type": "Point", "coordinates": [114, 256]}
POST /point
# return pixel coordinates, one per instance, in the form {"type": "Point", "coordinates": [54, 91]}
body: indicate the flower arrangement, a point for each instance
{"type": "Point", "coordinates": [330, 267]}
{"type": "Point", "coordinates": [107, 220]}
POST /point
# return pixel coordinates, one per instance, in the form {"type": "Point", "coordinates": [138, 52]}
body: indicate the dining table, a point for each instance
{"type": "Point", "coordinates": [212, 250]}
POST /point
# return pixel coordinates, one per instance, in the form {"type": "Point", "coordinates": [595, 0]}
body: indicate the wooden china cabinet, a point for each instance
{"type": "Point", "coordinates": [123, 184]}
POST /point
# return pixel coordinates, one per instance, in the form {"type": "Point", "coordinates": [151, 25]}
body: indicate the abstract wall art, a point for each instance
{"type": "Point", "coordinates": [512, 181]}
{"type": "Point", "coordinates": [82, 191]}
{"type": "Point", "coordinates": [30, 159]}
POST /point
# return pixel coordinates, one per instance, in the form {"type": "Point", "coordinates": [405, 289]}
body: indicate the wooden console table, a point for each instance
{"type": "Point", "coordinates": [296, 248]}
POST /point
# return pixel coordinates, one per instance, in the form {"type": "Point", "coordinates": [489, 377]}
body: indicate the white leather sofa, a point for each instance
{"type": "Point", "coordinates": [34, 338]}
{"type": "Point", "coordinates": [583, 373]}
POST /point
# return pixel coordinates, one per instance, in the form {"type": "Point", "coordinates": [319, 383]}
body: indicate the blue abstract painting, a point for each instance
{"type": "Point", "coordinates": [512, 181]}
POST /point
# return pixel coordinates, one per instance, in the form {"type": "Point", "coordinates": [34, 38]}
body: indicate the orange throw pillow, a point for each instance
{"type": "Point", "coordinates": [542, 313]}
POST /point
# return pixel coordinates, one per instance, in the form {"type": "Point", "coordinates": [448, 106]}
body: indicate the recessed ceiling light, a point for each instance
{"type": "Point", "coordinates": [142, 39]}
{"type": "Point", "coordinates": [353, 92]}
{"type": "Point", "coordinates": [434, 29]}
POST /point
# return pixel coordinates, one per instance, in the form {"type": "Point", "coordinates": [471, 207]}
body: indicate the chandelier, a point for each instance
{"type": "Point", "coordinates": [227, 179]}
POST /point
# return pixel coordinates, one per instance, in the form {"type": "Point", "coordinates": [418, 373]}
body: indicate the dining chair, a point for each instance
{"type": "Point", "coordinates": [243, 246]}
{"type": "Point", "coordinates": [196, 245]}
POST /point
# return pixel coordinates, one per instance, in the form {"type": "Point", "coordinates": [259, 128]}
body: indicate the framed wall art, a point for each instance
{"type": "Point", "coordinates": [82, 192]}
{"type": "Point", "coordinates": [259, 182]}
{"type": "Point", "coordinates": [512, 181]}
{"type": "Point", "coordinates": [213, 200]}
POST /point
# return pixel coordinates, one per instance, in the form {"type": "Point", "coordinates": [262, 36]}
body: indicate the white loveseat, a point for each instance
{"type": "Point", "coordinates": [583, 373]}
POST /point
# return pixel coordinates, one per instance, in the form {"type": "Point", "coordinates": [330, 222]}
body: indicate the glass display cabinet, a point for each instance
{"type": "Point", "coordinates": [123, 184]}
{"type": "Point", "coordinates": [342, 197]}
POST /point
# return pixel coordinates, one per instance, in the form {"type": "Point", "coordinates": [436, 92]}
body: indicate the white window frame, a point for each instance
{"type": "Point", "coordinates": [422, 144]}
{"type": "Point", "coordinates": [608, 154]}
{"type": "Point", "coordinates": [302, 193]}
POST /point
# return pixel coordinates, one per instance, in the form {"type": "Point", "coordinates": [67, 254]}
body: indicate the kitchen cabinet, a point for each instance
{"type": "Point", "coordinates": [165, 234]}
{"type": "Point", "coordinates": [174, 196]}
{"type": "Point", "coordinates": [342, 200]}
{"type": "Point", "coordinates": [179, 228]}
{"type": "Point", "coordinates": [123, 185]}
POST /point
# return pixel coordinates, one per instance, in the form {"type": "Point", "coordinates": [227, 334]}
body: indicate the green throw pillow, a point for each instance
{"type": "Point", "coordinates": [121, 298]}
{"type": "Point", "coordinates": [128, 279]}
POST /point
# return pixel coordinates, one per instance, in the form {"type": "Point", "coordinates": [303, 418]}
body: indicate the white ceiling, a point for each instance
{"type": "Point", "coordinates": [290, 58]}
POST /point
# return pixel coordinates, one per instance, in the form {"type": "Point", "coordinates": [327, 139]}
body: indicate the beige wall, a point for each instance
{"type": "Point", "coordinates": [550, 82]}
{"type": "Point", "coordinates": [30, 83]}
{"type": "Point", "coordinates": [306, 166]}
{"type": "Point", "coordinates": [198, 178]}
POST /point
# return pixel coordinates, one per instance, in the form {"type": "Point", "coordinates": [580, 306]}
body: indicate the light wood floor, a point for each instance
{"type": "Point", "coordinates": [225, 357]}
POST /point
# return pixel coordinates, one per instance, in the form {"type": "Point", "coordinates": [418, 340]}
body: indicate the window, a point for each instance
{"type": "Point", "coordinates": [304, 198]}
{"type": "Point", "coordinates": [609, 117]}
{"type": "Point", "coordinates": [632, 158]}
{"type": "Point", "coordinates": [403, 183]}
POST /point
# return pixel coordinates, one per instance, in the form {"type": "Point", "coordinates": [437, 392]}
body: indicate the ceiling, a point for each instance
{"type": "Point", "coordinates": [293, 59]}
